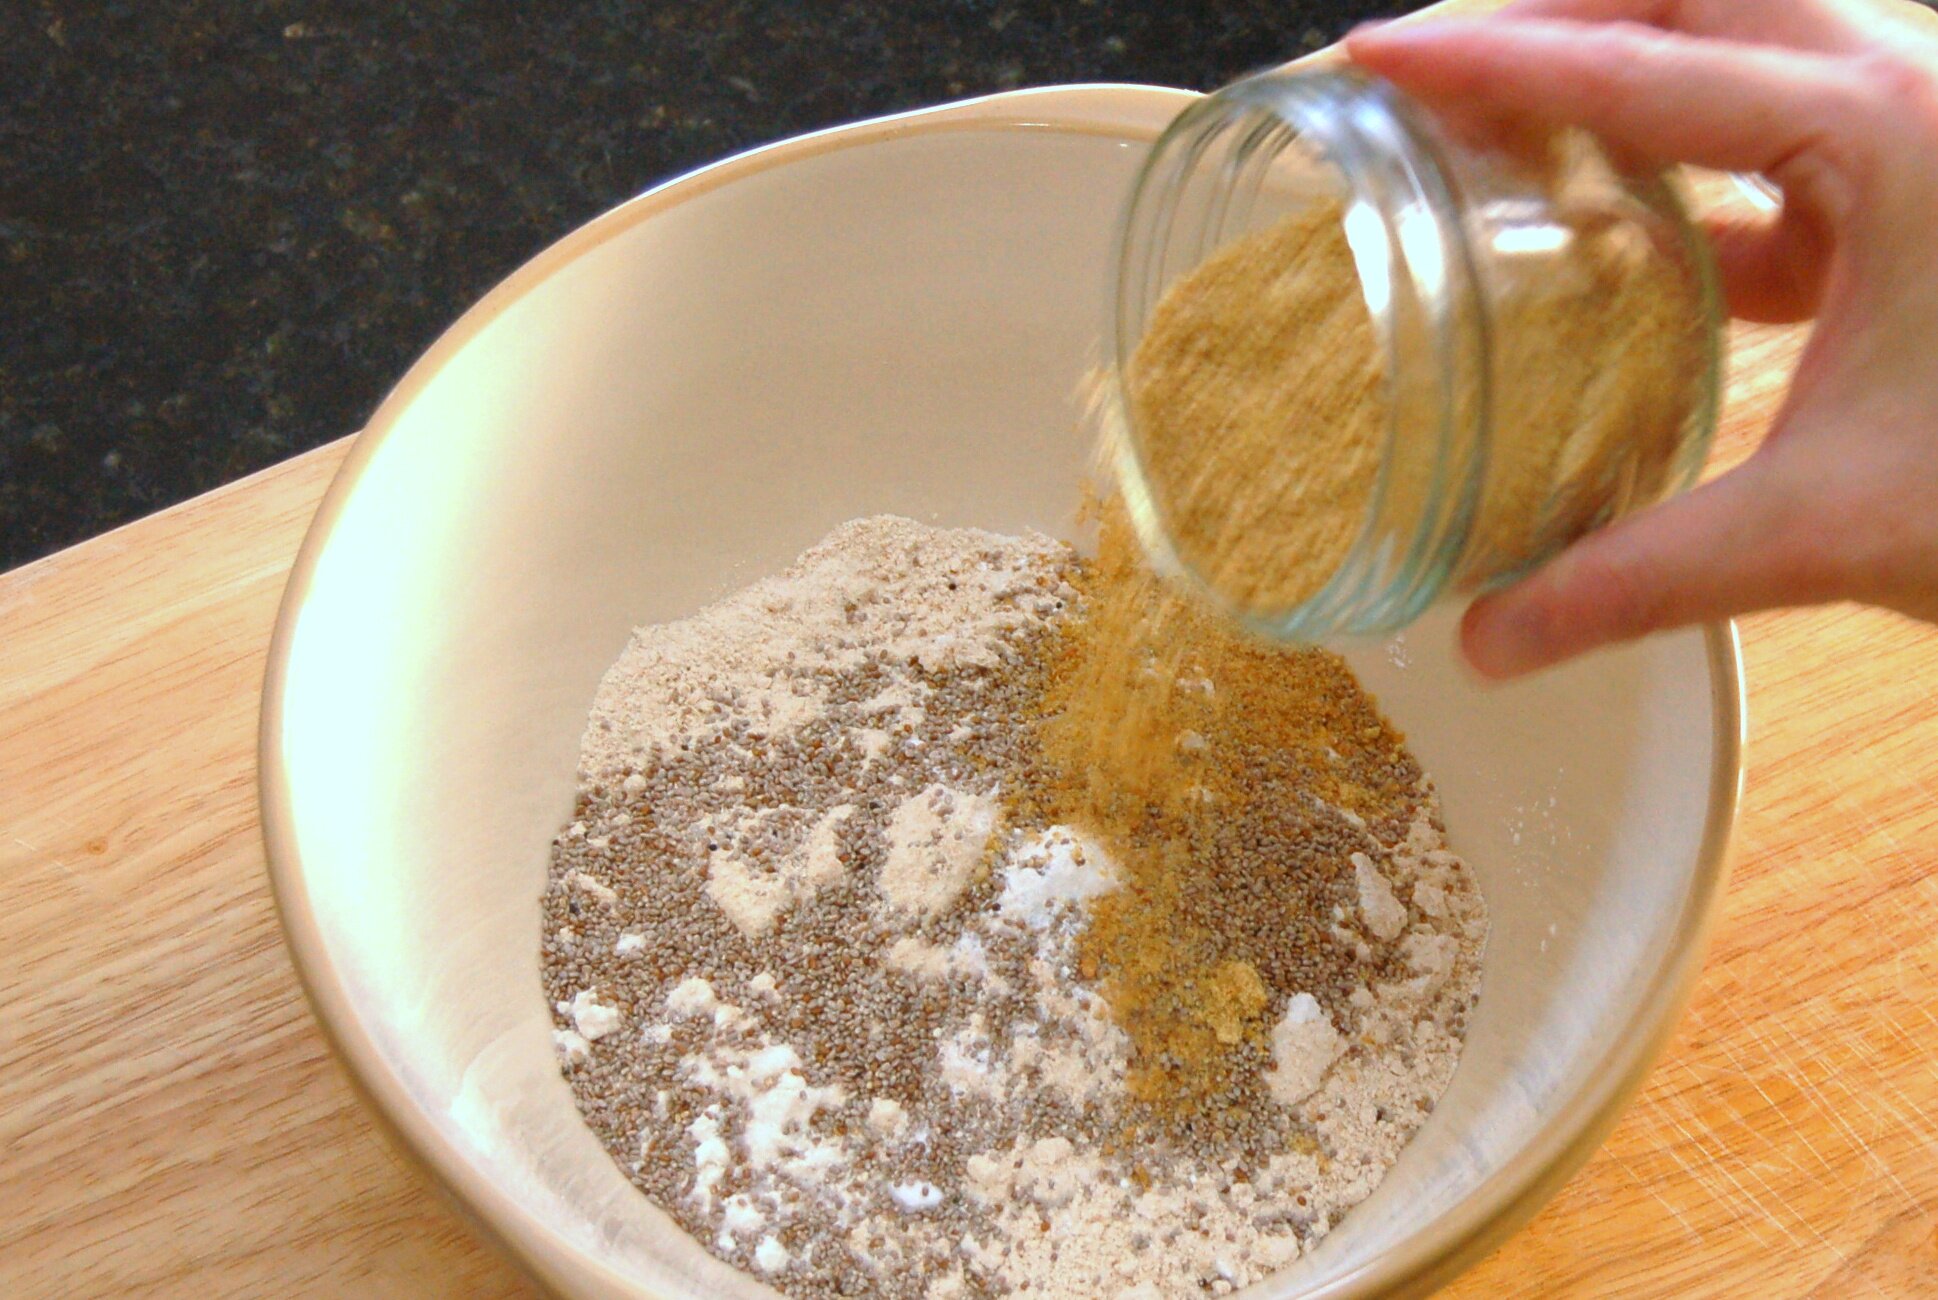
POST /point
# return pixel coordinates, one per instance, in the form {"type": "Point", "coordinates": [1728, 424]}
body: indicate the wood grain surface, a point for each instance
{"type": "Point", "coordinates": [171, 1122]}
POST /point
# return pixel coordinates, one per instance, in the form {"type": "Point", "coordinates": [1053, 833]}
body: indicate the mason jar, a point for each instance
{"type": "Point", "coordinates": [1544, 318]}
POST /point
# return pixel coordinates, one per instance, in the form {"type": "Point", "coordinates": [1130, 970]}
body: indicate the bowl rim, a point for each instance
{"type": "Point", "coordinates": [1502, 1203]}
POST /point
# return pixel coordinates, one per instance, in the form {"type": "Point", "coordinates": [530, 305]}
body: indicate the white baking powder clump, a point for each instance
{"type": "Point", "coordinates": [1304, 1046]}
{"type": "Point", "coordinates": [572, 1046]}
{"type": "Point", "coordinates": [591, 1017]}
{"type": "Point", "coordinates": [1385, 915]}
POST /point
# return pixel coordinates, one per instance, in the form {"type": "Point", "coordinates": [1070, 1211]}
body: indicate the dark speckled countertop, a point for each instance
{"type": "Point", "coordinates": [227, 226]}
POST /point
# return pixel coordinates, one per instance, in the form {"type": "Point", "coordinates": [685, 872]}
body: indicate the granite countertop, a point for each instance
{"type": "Point", "coordinates": [227, 226]}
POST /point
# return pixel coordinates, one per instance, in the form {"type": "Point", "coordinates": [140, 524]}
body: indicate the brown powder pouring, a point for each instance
{"type": "Point", "coordinates": [1214, 769]}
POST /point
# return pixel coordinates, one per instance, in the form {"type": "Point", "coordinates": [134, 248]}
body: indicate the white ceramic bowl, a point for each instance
{"type": "Point", "coordinates": [678, 398]}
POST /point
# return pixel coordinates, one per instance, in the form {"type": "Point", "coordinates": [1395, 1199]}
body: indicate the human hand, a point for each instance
{"type": "Point", "coordinates": [1836, 103]}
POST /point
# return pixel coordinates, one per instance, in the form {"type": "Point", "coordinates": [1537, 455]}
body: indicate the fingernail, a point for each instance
{"type": "Point", "coordinates": [1502, 638]}
{"type": "Point", "coordinates": [1370, 28]}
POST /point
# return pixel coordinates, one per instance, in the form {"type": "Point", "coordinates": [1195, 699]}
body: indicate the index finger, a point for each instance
{"type": "Point", "coordinates": [1656, 95]}
{"type": "Point", "coordinates": [1794, 24]}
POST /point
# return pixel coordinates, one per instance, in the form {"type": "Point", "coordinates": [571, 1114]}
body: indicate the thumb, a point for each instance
{"type": "Point", "coordinates": [1729, 547]}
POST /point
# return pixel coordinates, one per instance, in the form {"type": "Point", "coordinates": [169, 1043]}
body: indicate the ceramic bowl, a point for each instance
{"type": "Point", "coordinates": [678, 398]}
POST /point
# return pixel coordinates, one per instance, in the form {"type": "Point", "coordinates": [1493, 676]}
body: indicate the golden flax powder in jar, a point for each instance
{"type": "Point", "coordinates": [1425, 365]}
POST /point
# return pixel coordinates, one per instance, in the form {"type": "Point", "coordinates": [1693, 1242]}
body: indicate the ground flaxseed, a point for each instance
{"type": "Point", "coordinates": [1256, 392]}
{"type": "Point", "coordinates": [854, 951]}
{"type": "Point", "coordinates": [1261, 399]}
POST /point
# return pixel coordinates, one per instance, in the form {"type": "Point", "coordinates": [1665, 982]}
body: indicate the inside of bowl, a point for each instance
{"type": "Point", "coordinates": [680, 399]}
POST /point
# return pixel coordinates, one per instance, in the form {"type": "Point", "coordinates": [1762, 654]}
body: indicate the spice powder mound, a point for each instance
{"type": "Point", "coordinates": [878, 969]}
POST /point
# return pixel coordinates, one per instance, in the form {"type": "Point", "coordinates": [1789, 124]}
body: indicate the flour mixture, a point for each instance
{"type": "Point", "coordinates": [864, 976]}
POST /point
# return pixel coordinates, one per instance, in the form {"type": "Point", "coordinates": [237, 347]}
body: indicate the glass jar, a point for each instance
{"type": "Point", "coordinates": [1544, 319]}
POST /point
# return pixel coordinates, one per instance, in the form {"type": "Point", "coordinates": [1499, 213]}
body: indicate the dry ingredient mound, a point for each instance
{"type": "Point", "coordinates": [871, 971]}
{"type": "Point", "coordinates": [1259, 392]}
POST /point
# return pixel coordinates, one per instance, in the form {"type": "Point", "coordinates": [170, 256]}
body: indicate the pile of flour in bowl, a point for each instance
{"type": "Point", "coordinates": [851, 996]}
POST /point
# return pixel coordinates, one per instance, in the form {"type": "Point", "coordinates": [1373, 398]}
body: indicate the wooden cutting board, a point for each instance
{"type": "Point", "coordinates": [172, 1124]}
